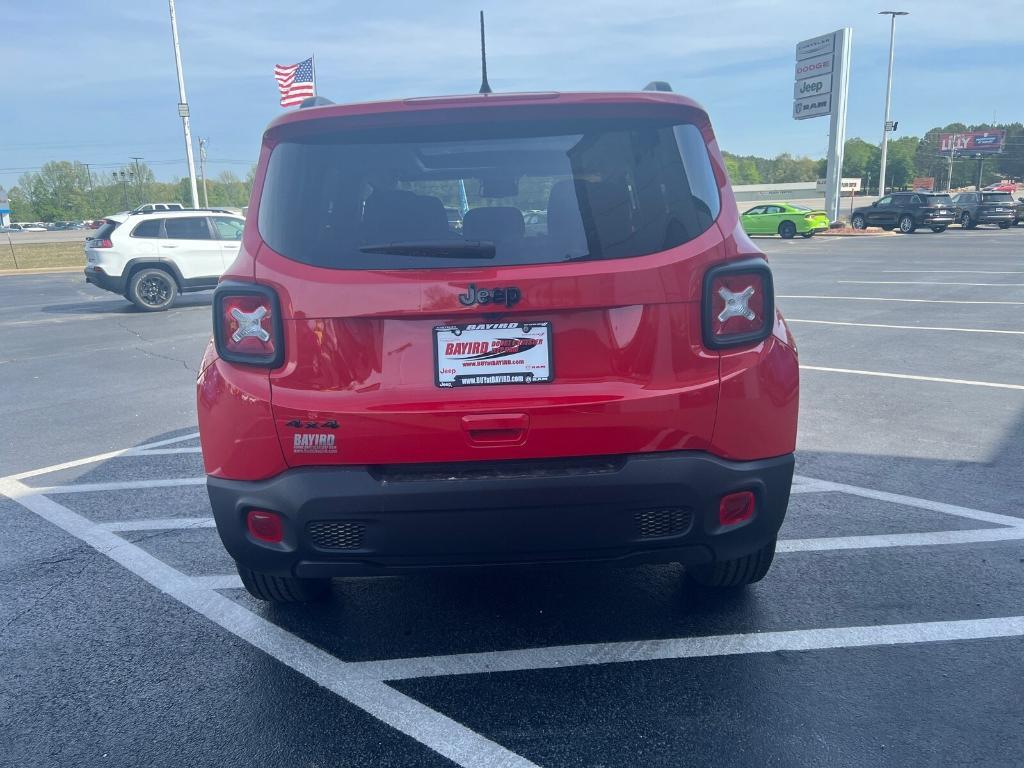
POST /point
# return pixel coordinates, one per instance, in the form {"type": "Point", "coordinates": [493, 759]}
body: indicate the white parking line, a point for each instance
{"type": "Point", "coordinates": [141, 450]}
{"type": "Point", "coordinates": [887, 540]}
{"type": "Point", "coordinates": [557, 657]}
{"type": "Point", "coordinates": [927, 282]}
{"type": "Point", "coordinates": [885, 298]}
{"type": "Point", "coordinates": [947, 272]}
{"type": "Point", "coordinates": [159, 524]}
{"type": "Point", "coordinates": [165, 451]}
{"type": "Point", "coordinates": [125, 485]}
{"type": "Point", "coordinates": [912, 501]}
{"type": "Point", "coordinates": [453, 740]}
{"type": "Point", "coordinates": [218, 581]}
{"type": "Point", "coordinates": [168, 441]}
{"type": "Point", "coordinates": [905, 327]}
{"type": "Point", "coordinates": [938, 379]}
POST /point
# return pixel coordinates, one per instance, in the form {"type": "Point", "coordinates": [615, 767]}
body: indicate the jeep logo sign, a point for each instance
{"type": "Point", "coordinates": [473, 295]}
{"type": "Point", "coordinates": [812, 86]}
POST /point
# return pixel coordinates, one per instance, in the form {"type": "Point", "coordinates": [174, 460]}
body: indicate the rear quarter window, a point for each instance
{"type": "Point", "coordinates": [148, 229]}
{"type": "Point", "coordinates": [592, 189]}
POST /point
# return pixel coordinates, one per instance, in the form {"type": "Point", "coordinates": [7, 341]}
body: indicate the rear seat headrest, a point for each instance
{"type": "Point", "coordinates": [495, 223]}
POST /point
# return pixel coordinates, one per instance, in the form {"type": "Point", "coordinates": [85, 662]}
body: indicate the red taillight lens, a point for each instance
{"type": "Point", "coordinates": [104, 243]}
{"type": "Point", "coordinates": [265, 526]}
{"type": "Point", "coordinates": [736, 508]}
{"type": "Point", "coordinates": [247, 325]}
{"type": "Point", "coordinates": [739, 304]}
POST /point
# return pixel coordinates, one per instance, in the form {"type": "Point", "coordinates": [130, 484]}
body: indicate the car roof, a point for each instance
{"type": "Point", "coordinates": [478, 100]}
{"type": "Point", "coordinates": [125, 215]}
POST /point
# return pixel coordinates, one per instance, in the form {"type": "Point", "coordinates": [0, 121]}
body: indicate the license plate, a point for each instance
{"type": "Point", "coordinates": [492, 353]}
{"type": "Point", "coordinates": [943, 211]}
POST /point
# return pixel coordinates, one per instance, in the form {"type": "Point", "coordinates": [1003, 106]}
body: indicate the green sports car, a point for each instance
{"type": "Point", "coordinates": [783, 219]}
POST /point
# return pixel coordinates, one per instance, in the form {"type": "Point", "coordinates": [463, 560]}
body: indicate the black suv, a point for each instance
{"type": "Point", "coordinates": [974, 208]}
{"type": "Point", "coordinates": [1019, 216]}
{"type": "Point", "coordinates": [906, 211]}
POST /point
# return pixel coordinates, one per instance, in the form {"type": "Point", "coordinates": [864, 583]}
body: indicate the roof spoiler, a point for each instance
{"type": "Point", "coordinates": [658, 85]}
{"type": "Point", "coordinates": [315, 101]}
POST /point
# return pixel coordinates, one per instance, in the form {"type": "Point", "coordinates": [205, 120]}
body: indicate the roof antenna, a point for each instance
{"type": "Point", "coordinates": [485, 87]}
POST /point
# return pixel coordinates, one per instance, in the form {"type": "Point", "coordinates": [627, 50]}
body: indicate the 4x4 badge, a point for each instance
{"type": "Point", "coordinates": [507, 296]}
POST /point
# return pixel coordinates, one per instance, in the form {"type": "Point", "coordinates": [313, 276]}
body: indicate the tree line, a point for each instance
{"type": "Point", "coordinates": [69, 191]}
{"type": "Point", "coordinates": [909, 157]}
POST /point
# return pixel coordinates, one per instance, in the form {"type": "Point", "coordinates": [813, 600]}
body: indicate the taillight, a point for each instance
{"type": "Point", "coordinates": [738, 304]}
{"type": "Point", "coordinates": [265, 526]}
{"type": "Point", "coordinates": [736, 508]}
{"type": "Point", "coordinates": [247, 325]}
{"type": "Point", "coordinates": [97, 243]}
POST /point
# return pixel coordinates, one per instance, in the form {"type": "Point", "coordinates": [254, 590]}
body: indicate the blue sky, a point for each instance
{"type": "Point", "coordinates": [103, 86]}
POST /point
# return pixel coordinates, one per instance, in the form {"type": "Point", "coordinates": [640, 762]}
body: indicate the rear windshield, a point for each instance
{"type": "Point", "coordinates": [996, 197]}
{"type": "Point", "coordinates": [590, 189]}
{"type": "Point", "coordinates": [104, 230]}
{"type": "Point", "coordinates": [938, 199]}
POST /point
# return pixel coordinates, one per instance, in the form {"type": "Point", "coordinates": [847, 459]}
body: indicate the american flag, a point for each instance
{"type": "Point", "coordinates": [294, 81]}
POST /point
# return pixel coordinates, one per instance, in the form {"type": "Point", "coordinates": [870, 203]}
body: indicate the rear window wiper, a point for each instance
{"type": "Point", "coordinates": [458, 249]}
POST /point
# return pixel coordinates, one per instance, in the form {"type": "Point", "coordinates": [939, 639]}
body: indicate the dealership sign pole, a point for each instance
{"type": "Point", "coordinates": [822, 83]}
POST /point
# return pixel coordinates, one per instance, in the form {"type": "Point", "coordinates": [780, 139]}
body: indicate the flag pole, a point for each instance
{"type": "Point", "coordinates": [312, 64]}
{"type": "Point", "coordinates": [183, 108]}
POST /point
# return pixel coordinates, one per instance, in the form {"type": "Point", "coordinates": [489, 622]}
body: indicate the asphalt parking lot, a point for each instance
{"type": "Point", "coordinates": [890, 630]}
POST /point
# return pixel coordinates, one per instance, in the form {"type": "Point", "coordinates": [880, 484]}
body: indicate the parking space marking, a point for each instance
{"type": "Point", "coordinates": [912, 501]}
{"type": "Point", "coordinates": [168, 441]}
{"type": "Point", "coordinates": [218, 581]}
{"type": "Point", "coordinates": [906, 327]}
{"type": "Point", "coordinates": [886, 540]}
{"type": "Point", "coordinates": [123, 485]}
{"type": "Point", "coordinates": [139, 450]}
{"type": "Point", "coordinates": [908, 301]}
{"type": "Point", "coordinates": [928, 282]}
{"type": "Point", "coordinates": [947, 271]}
{"type": "Point", "coordinates": [171, 451]}
{"type": "Point", "coordinates": [445, 736]}
{"type": "Point", "coordinates": [911, 377]}
{"type": "Point", "coordinates": [163, 524]}
{"type": "Point", "coordinates": [558, 657]}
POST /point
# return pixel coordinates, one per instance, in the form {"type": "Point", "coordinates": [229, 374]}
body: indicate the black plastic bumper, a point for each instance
{"type": "Point", "coordinates": [660, 507]}
{"type": "Point", "coordinates": [105, 281]}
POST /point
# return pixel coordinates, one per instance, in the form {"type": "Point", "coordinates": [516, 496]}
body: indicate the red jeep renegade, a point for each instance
{"type": "Point", "coordinates": [586, 364]}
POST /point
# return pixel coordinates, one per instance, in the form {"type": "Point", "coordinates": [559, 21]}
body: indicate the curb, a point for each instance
{"type": "Point", "coordinates": [39, 270]}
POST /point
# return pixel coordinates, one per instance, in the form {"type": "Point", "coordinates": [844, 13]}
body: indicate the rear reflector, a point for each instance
{"type": "Point", "coordinates": [738, 304]}
{"type": "Point", "coordinates": [265, 526]}
{"type": "Point", "coordinates": [247, 325]}
{"type": "Point", "coordinates": [736, 508]}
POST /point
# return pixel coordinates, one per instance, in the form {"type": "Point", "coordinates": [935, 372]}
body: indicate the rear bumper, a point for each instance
{"type": "Point", "coordinates": [660, 507]}
{"type": "Point", "coordinates": [984, 217]}
{"type": "Point", "coordinates": [937, 221]}
{"type": "Point", "coordinates": [114, 284]}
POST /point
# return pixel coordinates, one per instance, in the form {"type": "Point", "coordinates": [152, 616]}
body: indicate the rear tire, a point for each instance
{"type": "Point", "coordinates": [152, 289]}
{"type": "Point", "coordinates": [965, 221]}
{"type": "Point", "coordinates": [283, 589]}
{"type": "Point", "coordinates": [786, 230]}
{"type": "Point", "coordinates": [729, 574]}
{"type": "Point", "coordinates": [807, 235]}
{"type": "Point", "coordinates": [859, 222]}
{"type": "Point", "coordinates": [1004, 225]}
{"type": "Point", "coordinates": [938, 229]}
{"type": "Point", "coordinates": [907, 225]}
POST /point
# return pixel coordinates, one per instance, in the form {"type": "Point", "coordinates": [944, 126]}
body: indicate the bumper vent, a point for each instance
{"type": "Point", "coordinates": [334, 534]}
{"type": "Point", "coordinates": [654, 523]}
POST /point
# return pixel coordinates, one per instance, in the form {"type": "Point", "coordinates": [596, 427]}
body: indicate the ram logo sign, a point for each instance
{"type": "Point", "coordinates": [813, 107]}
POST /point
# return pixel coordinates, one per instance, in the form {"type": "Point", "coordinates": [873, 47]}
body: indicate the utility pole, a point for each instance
{"type": "Point", "coordinates": [886, 126]}
{"type": "Point", "coordinates": [138, 176]}
{"type": "Point", "coordinates": [202, 170]}
{"type": "Point", "coordinates": [183, 107]}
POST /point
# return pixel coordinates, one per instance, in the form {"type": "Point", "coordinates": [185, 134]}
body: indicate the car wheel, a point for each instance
{"type": "Point", "coordinates": [734, 573]}
{"type": "Point", "coordinates": [858, 222]}
{"type": "Point", "coordinates": [938, 229]}
{"type": "Point", "coordinates": [152, 290]}
{"type": "Point", "coordinates": [787, 229]}
{"type": "Point", "coordinates": [1004, 225]}
{"type": "Point", "coordinates": [965, 221]}
{"type": "Point", "coordinates": [807, 235]}
{"type": "Point", "coordinates": [283, 589]}
{"type": "Point", "coordinates": [907, 225]}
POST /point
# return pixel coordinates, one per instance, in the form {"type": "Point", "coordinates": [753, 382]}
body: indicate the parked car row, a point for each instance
{"type": "Point", "coordinates": [907, 211]}
{"type": "Point", "coordinates": [39, 226]}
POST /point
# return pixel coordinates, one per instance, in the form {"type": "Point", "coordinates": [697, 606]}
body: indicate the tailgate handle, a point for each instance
{"type": "Point", "coordinates": [496, 427]}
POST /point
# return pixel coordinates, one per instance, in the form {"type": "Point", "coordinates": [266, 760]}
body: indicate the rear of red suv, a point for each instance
{"type": "Point", "coordinates": [386, 392]}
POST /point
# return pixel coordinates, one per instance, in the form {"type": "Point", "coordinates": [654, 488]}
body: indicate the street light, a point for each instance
{"type": "Point", "coordinates": [888, 95]}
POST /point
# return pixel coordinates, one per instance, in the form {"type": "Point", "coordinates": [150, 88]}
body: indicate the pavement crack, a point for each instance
{"type": "Point", "coordinates": [184, 363]}
{"type": "Point", "coordinates": [132, 331]}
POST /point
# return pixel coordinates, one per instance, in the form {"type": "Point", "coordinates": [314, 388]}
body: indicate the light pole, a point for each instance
{"type": "Point", "coordinates": [888, 95]}
{"type": "Point", "coordinates": [183, 107]}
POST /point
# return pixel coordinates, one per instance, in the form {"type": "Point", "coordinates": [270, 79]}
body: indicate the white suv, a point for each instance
{"type": "Point", "coordinates": [149, 258]}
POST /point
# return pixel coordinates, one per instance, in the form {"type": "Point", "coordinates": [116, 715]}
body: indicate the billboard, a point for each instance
{"type": "Point", "coordinates": [972, 142]}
